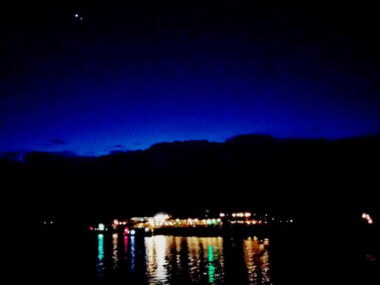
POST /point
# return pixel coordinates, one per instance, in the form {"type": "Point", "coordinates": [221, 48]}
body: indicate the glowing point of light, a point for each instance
{"type": "Point", "coordinates": [160, 217]}
{"type": "Point", "coordinates": [133, 232]}
{"type": "Point", "coordinates": [76, 15]}
{"type": "Point", "coordinates": [367, 218]}
{"type": "Point", "coordinates": [101, 227]}
{"type": "Point", "coordinates": [221, 215]}
{"type": "Point", "coordinates": [146, 230]}
{"type": "Point", "coordinates": [91, 228]}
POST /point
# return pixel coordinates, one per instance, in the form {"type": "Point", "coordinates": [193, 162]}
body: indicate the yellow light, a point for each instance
{"type": "Point", "coordinates": [221, 215]}
{"type": "Point", "coordinates": [247, 214]}
{"type": "Point", "coordinates": [116, 222]}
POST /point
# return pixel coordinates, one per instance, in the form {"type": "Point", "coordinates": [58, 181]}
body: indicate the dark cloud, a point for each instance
{"type": "Point", "coordinates": [118, 146]}
{"type": "Point", "coordinates": [59, 141]}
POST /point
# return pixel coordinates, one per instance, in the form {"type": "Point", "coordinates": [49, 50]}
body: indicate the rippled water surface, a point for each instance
{"type": "Point", "coordinates": [182, 260]}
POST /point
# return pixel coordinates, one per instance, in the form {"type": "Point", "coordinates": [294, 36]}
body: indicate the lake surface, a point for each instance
{"type": "Point", "coordinates": [182, 260]}
{"type": "Point", "coordinates": [305, 255]}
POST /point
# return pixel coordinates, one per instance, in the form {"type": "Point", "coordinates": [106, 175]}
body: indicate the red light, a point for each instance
{"type": "Point", "coordinates": [91, 228]}
{"type": "Point", "coordinates": [126, 231]}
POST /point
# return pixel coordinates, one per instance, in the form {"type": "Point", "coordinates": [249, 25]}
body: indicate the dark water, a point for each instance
{"type": "Point", "coordinates": [298, 256]}
{"type": "Point", "coordinates": [182, 260]}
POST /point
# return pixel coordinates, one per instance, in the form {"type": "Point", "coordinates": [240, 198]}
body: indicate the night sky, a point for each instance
{"type": "Point", "coordinates": [92, 77]}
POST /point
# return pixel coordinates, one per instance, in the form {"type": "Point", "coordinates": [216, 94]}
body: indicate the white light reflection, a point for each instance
{"type": "Point", "coordinates": [115, 259]}
{"type": "Point", "coordinates": [157, 263]}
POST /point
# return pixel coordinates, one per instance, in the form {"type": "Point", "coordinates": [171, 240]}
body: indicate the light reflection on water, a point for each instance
{"type": "Point", "coordinates": [115, 259]}
{"type": "Point", "coordinates": [179, 260]}
{"type": "Point", "coordinates": [100, 261]}
{"type": "Point", "coordinates": [256, 261]}
{"type": "Point", "coordinates": [133, 254]}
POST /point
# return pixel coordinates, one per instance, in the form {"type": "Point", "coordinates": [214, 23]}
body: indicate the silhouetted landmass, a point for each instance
{"type": "Point", "coordinates": [304, 177]}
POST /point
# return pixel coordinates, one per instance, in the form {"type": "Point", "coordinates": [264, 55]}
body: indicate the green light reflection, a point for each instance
{"type": "Point", "coordinates": [211, 267]}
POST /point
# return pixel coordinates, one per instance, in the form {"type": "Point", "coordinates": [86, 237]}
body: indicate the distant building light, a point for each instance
{"type": "Point", "coordinates": [221, 215]}
{"type": "Point", "coordinates": [101, 227]}
{"type": "Point", "coordinates": [367, 218]}
{"type": "Point", "coordinates": [160, 218]}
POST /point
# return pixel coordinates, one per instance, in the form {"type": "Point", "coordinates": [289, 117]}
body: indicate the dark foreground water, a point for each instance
{"type": "Point", "coordinates": [182, 260]}
{"type": "Point", "coordinates": [284, 257]}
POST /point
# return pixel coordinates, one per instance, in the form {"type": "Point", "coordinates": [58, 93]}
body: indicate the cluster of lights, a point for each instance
{"type": "Point", "coordinates": [77, 16]}
{"type": "Point", "coordinates": [367, 218]}
{"type": "Point", "coordinates": [248, 222]}
{"type": "Point", "coordinates": [192, 222]}
{"type": "Point", "coordinates": [116, 222]}
{"type": "Point", "coordinates": [161, 220]}
{"type": "Point", "coordinates": [241, 215]}
{"type": "Point", "coordinates": [101, 228]}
